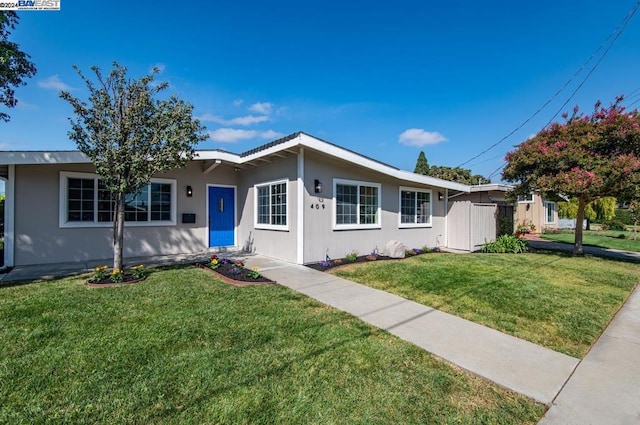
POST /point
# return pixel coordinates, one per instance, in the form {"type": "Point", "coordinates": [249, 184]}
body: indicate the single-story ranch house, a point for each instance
{"type": "Point", "coordinates": [298, 199]}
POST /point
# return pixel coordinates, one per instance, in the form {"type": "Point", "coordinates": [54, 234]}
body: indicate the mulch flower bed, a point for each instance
{"type": "Point", "coordinates": [127, 280]}
{"type": "Point", "coordinates": [352, 259]}
{"type": "Point", "coordinates": [104, 278]}
{"type": "Point", "coordinates": [234, 272]}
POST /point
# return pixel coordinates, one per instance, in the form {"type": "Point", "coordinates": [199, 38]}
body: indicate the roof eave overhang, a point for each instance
{"type": "Point", "coordinates": [285, 149]}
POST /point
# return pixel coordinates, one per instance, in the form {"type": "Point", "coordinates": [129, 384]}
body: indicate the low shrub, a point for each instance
{"type": "Point", "coordinates": [352, 256]}
{"type": "Point", "coordinates": [506, 244]}
{"type": "Point", "coordinates": [614, 225]}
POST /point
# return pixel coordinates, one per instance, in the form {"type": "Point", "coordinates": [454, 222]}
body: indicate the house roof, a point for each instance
{"type": "Point", "coordinates": [491, 187]}
{"type": "Point", "coordinates": [286, 146]}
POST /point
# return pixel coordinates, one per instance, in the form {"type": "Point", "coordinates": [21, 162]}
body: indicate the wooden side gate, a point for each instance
{"type": "Point", "coordinates": [470, 225]}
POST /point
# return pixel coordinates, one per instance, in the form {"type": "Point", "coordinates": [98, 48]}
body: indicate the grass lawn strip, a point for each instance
{"type": "Point", "coordinates": [182, 347]}
{"type": "Point", "coordinates": [553, 300]}
{"type": "Point", "coordinates": [609, 239]}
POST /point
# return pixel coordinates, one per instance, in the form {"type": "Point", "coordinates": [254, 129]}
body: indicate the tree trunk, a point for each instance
{"type": "Point", "coordinates": [577, 248]}
{"type": "Point", "coordinates": [118, 233]}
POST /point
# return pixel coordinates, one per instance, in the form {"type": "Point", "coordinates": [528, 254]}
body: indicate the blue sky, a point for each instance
{"type": "Point", "coordinates": [386, 79]}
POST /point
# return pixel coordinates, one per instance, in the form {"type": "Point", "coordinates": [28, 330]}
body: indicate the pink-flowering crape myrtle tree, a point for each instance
{"type": "Point", "coordinates": [588, 157]}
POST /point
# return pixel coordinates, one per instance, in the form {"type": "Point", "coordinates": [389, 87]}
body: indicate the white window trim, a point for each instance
{"type": "Point", "coordinates": [263, 226]}
{"type": "Point", "coordinates": [357, 183]}
{"type": "Point", "coordinates": [63, 203]}
{"type": "Point", "coordinates": [402, 225]}
{"type": "Point", "coordinates": [546, 211]}
{"type": "Point", "coordinates": [526, 201]}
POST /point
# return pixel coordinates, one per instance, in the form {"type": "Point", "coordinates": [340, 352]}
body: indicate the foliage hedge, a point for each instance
{"type": "Point", "coordinates": [623, 215]}
{"type": "Point", "coordinates": [506, 244]}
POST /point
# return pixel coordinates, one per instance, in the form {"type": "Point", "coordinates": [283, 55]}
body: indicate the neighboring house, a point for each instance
{"type": "Point", "coordinates": [298, 198]}
{"type": "Point", "coordinates": [533, 209]}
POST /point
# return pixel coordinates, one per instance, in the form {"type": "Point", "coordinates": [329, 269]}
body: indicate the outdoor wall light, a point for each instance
{"type": "Point", "coordinates": [317, 186]}
{"type": "Point", "coordinates": [189, 191]}
{"type": "Point", "coordinates": [440, 196]}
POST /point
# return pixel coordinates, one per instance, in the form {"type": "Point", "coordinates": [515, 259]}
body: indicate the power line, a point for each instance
{"type": "Point", "coordinates": [619, 29]}
{"type": "Point", "coordinates": [624, 25]}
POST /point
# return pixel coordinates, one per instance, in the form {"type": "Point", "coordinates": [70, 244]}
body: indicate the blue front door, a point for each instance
{"type": "Point", "coordinates": [221, 216]}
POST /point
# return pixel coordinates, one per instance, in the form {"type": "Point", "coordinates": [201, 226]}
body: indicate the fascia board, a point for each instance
{"type": "Point", "coordinates": [42, 157]}
{"type": "Point", "coordinates": [354, 158]}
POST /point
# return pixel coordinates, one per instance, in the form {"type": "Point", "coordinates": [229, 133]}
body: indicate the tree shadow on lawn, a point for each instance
{"type": "Point", "coordinates": [618, 255]}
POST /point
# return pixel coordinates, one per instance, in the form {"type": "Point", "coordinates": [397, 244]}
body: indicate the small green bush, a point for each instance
{"type": "Point", "coordinates": [614, 225]}
{"type": "Point", "coordinates": [506, 244]}
{"type": "Point", "coordinates": [352, 256]}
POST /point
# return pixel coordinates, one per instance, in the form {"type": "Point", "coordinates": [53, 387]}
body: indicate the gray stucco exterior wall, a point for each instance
{"type": "Point", "coordinates": [273, 243]}
{"type": "Point", "coordinates": [39, 238]}
{"type": "Point", "coordinates": [321, 237]}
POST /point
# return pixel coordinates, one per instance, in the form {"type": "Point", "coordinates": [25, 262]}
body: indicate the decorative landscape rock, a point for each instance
{"type": "Point", "coordinates": [395, 249]}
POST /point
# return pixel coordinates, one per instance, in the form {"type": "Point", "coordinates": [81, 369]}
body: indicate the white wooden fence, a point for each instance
{"type": "Point", "coordinates": [470, 225]}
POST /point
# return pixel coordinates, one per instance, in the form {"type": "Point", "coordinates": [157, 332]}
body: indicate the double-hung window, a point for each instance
{"type": "Point", "coordinates": [86, 202]}
{"type": "Point", "coordinates": [357, 204]}
{"type": "Point", "coordinates": [271, 205]}
{"type": "Point", "coordinates": [415, 207]}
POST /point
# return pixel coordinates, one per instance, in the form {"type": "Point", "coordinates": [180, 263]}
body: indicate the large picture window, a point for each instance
{"type": "Point", "coordinates": [357, 204]}
{"type": "Point", "coordinates": [86, 202]}
{"type": "Point", "coordinates": [415, 207]}
{"type": "Point", "coordinates": [271, 205]}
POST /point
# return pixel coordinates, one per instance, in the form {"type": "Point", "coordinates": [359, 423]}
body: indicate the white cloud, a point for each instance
{"type": "Point", "coordinates": [261, 108]}
{"type": "Point", "coordinates": [419, 137]}
{"type": "Point", "coordinates": [53, 83]}
{"type": "Point", "coordinates": [270, 134]}
{"type": "Point", "coordinates": [246, 120]}
{"type": "Point", "coordinates": [233, 135]}
{"type": "Point", "coordinates": [238, 102]}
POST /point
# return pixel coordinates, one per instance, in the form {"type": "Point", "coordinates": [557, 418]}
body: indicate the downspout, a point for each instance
{"type": "Point", "coordinates": [300, 213]}
{"type": "Point", "coordinates": [446, 218]}
{"type": "Point", "coordinates": [9, 215]}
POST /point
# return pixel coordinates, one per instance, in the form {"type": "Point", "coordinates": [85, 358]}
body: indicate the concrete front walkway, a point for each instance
{"type": "Point", "coordinates": [521, 366]}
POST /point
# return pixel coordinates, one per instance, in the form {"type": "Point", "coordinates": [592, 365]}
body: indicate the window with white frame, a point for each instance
{"type": "Point", "coordinates": [357, 204]}
{"type": "Point", "coordinates": [549, 212]}
{"type": "Point", "coordinates": [271, 205]}
{"type": "Point", "coordinates": [415, 207]}
{"type": "Point", "coordinates": [86, 202]}
{"type": "Point", "coordinates": [525, 199]}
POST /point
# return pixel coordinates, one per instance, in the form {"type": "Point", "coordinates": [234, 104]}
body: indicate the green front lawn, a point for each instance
{"type": "Point", "coordinates": [610, 239]}
{"type": "Point", "coordinates": [182, 347]}
{"type": "Point", "coordinates": [553, 300]}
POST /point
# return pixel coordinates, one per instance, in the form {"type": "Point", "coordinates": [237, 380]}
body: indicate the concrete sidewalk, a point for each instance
{"type": "Point", "coordinates": [605, 388]}
{"type": "Point", "coordinates": [521, 366]}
